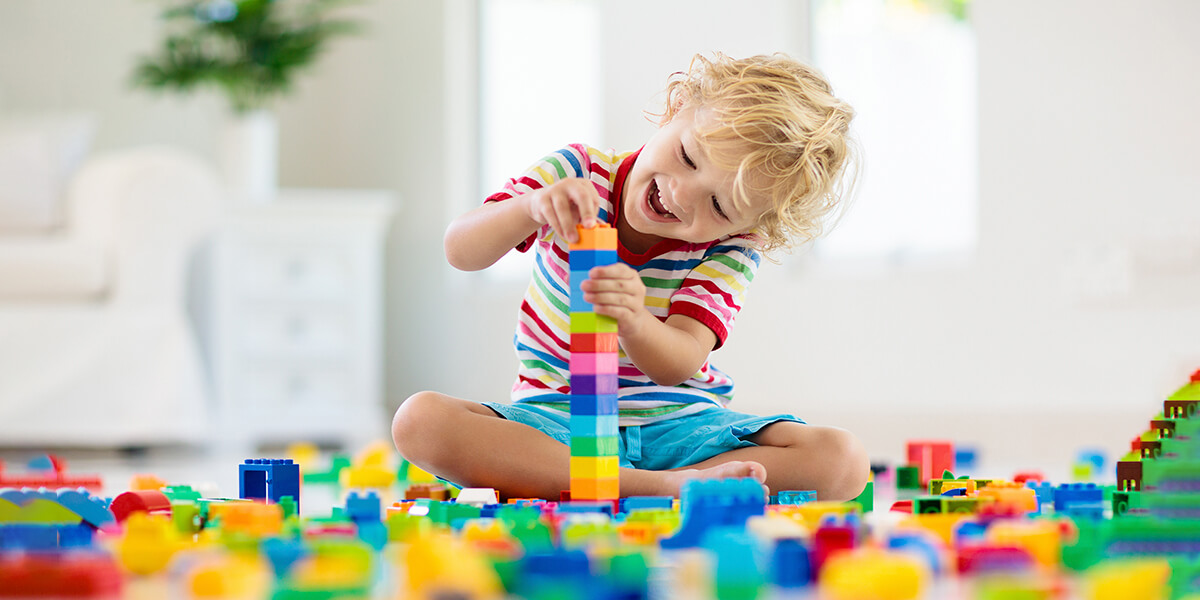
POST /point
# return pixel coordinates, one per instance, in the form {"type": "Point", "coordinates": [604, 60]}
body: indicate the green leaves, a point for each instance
{"type": "Point", "coordinates": [249, 49]}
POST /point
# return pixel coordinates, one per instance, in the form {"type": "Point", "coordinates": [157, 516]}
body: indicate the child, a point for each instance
{"type": "Point", "coordinates": [748, 155]}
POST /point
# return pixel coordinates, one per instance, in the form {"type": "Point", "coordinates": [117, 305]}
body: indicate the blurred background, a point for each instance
{"type": "Point", "coordinates": [1019, 271]}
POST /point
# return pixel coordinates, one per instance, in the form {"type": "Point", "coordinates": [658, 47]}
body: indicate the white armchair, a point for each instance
{"type": "Point", "coordinates": [96, 348]}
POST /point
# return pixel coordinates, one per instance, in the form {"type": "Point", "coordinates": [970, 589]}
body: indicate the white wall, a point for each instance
{"type": "Point", "coordinates": [1078, 313]}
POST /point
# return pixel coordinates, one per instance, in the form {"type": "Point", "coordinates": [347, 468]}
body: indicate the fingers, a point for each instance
{"type": "Point", "coordinates": [566, 204]}
{"type": "Point", "coordinates": [614, 290]}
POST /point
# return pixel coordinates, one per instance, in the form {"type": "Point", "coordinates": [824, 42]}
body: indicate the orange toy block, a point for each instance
{"type": "Point", "coordinates": [600, 237]}
{"type": "Point", "coordinates": [595, 489]}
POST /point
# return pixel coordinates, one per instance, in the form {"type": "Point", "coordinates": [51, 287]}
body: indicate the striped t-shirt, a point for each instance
{"type": "Point", "coordinates": [706, 281]}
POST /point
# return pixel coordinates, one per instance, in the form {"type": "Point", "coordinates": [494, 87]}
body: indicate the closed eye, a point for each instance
{"type": "Point", "coordinates": [717, 207]}
{"type": "Point", "coordinates": [686, 159]}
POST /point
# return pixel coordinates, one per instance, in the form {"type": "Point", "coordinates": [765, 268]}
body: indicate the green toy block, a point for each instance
{"type": "Point", "coordinates": [908, 478]}
{"type": "Point", "coordinates": [403, 527]}
{"type": "Point", "coordinates": [1123, 502]}
{"type": "Point", "coordinates": [446, 513]}
{"type": "Point", "coordinates": [288, 504]}
{"type": "Point", "coordinates": [594, 446]}
{"type": "Point", "coordinates": [1088, 547]}
{"type": "Point", "coordinates": [180, 493]}
{"type": "Point", "coordinates": [592, 323]}
{"type": "Point", "coordinates": [926, 505]}
{"type": "Point", "coordinates": [185, 516]}
{"type": "Point", "coordinates": [333, 475]}
{"type": "Point", "coordinates": [866, 499]}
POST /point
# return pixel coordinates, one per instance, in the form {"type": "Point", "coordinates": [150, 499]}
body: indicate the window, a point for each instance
{"type": "Point", "coordinates": [909, 69]}
{"type": "Point", "coordinates": [539, 89]}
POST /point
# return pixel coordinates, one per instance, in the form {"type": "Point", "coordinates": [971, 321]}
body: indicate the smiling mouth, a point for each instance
{"type": "Point", "coordinates": [655, 201]}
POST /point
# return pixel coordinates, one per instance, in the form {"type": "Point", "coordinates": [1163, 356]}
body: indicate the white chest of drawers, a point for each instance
{"type": "Point", "coordinates": [298, 318]}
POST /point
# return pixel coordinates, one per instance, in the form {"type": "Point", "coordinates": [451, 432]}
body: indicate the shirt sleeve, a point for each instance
{"type": "Point", "coordinates": [571, 161]}
{"type": "Point", "coordinates": [714, 290]}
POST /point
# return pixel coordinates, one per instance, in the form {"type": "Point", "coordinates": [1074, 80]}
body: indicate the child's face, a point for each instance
{"type": "Point", "coordinates": [676, 191]}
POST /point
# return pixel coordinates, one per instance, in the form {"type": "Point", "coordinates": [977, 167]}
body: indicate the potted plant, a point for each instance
{"type": "Point", "coordinates": [252, 51]}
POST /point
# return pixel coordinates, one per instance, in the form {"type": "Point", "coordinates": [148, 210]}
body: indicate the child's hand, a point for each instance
{"type": "Point", "coordinates": [565, 204]}
{"type": "Point", "coordinates": [617, 291]}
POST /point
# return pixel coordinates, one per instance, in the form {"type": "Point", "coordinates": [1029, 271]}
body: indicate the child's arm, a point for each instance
{"type": "Point", "coordinates": [479, 238]}
{"type": "Point", "coordinates": [668, 352]}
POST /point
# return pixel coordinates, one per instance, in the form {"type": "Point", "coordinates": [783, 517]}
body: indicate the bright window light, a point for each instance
{"type": "Point", "coordinates": [909, 69]}
{"type": "Point", "coordinates": [540, 89]}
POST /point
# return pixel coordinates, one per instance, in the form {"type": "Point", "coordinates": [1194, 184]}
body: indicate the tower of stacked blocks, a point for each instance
{"type": "Point", "coordinates": [593, 375]}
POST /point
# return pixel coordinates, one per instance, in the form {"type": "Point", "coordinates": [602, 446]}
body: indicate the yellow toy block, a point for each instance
{"type": "Point", "coordinates": [146, 481]}
{"type": "Point", "coordinates": [873, 574]}
{"type": "Point", "coordinates": [1120, 579]}
{"type": "Point", "coordinates": [810, 513]}
{"type": "Point", "coordinates": [938, 486]}
{"type": "Point", "coordinates": [232, 575]}
{"type": "Point", "coordinates": [593, 467]}
{"type": "Point", "coordinates": [940, 524]}
{"type": "Point", "coordinates": [600, 237]}
{"type": "Point", "coordinates": [440, 565]}
{"type": "Point", "coordinates": [147, 543]}
{"type": "Point", "coordinates": [1023, 499]}
{"type": "Point", "coordinates": [1042, 538]}
{"type": "Point", "coordinates": [595, 489]}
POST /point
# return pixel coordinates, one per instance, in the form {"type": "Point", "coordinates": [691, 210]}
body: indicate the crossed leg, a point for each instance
{"type": "Point", "coordinates": [469, 443]}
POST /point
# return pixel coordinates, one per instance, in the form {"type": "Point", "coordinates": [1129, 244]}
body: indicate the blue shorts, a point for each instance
{"type": "Point", "coordinates": [667, 444]}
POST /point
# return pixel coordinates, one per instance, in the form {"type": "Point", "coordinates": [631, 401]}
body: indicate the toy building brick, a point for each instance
{"type": "Point", "coordinates": [593, 375]}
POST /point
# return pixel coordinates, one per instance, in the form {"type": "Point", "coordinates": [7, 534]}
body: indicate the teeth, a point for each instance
{"type": "Point", "coordinates": [656, 201]}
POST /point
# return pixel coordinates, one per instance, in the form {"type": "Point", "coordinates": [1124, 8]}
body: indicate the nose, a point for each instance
{"type": "Point", "coordinates": [680, 191]}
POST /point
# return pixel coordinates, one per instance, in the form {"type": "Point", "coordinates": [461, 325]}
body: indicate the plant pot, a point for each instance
{"type": "Point", "coordinates": [250, 156]}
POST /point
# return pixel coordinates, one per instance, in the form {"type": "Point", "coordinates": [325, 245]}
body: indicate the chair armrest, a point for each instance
{"type": "Point", "coordinates": [151, 207]}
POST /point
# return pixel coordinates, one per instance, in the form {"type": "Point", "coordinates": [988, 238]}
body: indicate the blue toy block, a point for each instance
{"type": "Point", "coordinates": [90, 509]}
{"type": "Point", "coordinates": [1043, 491]}
{"type": "Point", "coordinates": [40, 463]}
{"type": "Point", "coordinates": [964, 458]}
{"type": "Point", "coordinates": [920, 545]}
{"type": "Point", "coordinates": [44, 537]}
{"type": "Point", "coordinates": [578, 304]}
{"type": "Point", "coordinates": [374, 534]}
{"type": "Point", "coordinates": [737, 573]}
{"type": "Point", "coordinates": [632, 503]}
{"type": "Point", "coordinates": [793, 497]}
{"type": "Point", "coordinates": [954, 492]}
{"type": "Point", "coordinates": [1073, 494]}
{"type": "Point", "coordinates": [593, 385]}
{"type": "Point", "coordinates": [584, 260]}
{"type": "Point", "coordinates": [363, 508]}
{"type": "Point", "coordinates": [269, 479]}
{"type": "Point", "coordinates": [93, 510]}
{"type": "Point", "coordinates": [706, 504]}
{"type": "Point", "coordinates": [1079, 500]}
{"type": "Point", "coordinates": [585, 425]}
{"type": "Point", "coordinates": [560, 570]}
{"type": "Point", "coordinates": [586, 506]}
{"type": "Point", "coordinates": [791, 565]}
{"type": "Point", "coordinates": [1094, 457]}
{"type": "Point", "coordinates": [282, 553]}
{"type": "Point", "coordinates": [605, 404]}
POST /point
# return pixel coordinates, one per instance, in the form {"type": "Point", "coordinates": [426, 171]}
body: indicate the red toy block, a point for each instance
{"type": "Point", "coordinates": [1024, 476]}
{"type": "Point", "coordinates": [830, 539]}
{"type": "Point", "coordinates": [68, 575]}
{"type": "Point", "coordinates": [147, 501]}
{"type": "Point", "coordinates": [931, 457]}
{"type": "Point", "coordinates": [57, 478]}
{"type": "Point", "coordinates": [594, 342]}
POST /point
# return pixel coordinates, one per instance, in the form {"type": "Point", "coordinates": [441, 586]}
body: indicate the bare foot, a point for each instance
{"type": "Point", "coordinates": [734, 469]}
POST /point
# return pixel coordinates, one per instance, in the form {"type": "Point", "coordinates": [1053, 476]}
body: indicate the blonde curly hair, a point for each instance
{"type": "Point", "coordinates": [781, 129]}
